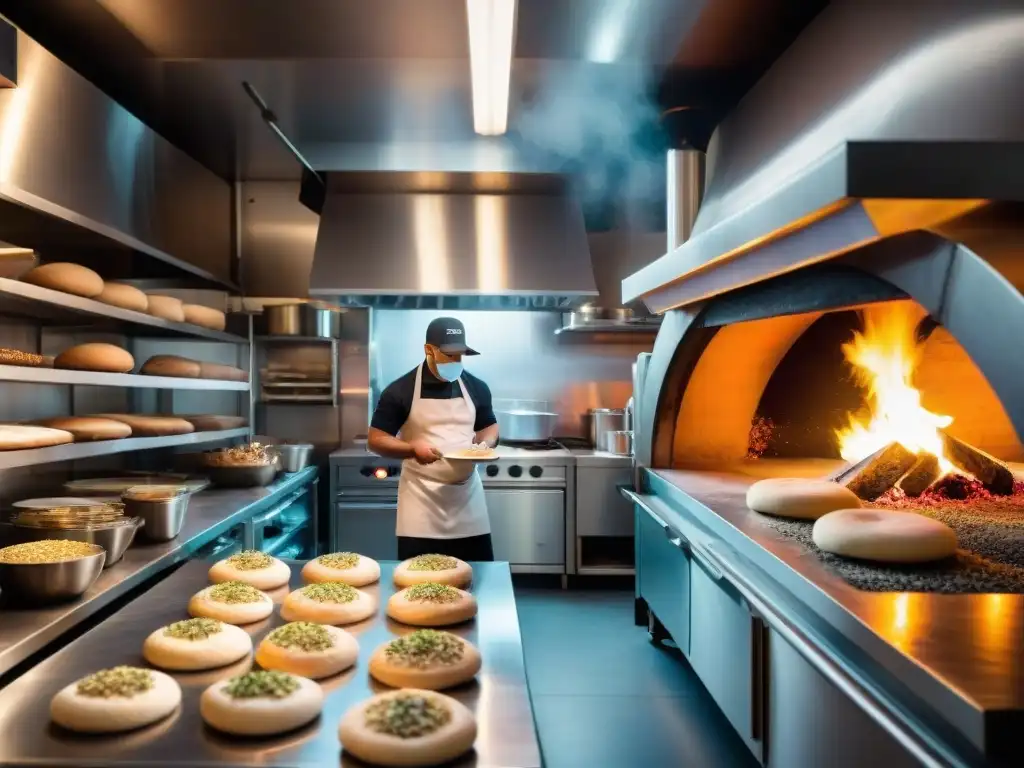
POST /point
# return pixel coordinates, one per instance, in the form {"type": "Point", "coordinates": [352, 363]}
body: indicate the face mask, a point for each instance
{"type": "Point", "coordinates": [448, 371]}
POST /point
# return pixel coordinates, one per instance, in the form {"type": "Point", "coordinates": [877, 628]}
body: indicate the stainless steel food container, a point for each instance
{"type": "Point", "coordinates": [520, 426]}
{"type": "Point", "coordinates": [242, 475]}
{"type": "Point", "coordinates": [115, 538]}
{"type": "Point", "coordinates": [603, 421]}
{"type": "Point", "coordinates": [39, 583]}
{"type": "Point", "coordinates": [162, 518]}
{"type": "Point", "coordinates": [619, 442]}
{"type": "Point", "coordinates": [293, 457]}
{"type": "Point", "coordinates": [313, 319]}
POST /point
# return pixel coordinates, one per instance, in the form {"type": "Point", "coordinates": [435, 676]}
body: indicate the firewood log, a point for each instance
{"type": "Point", "coordinates": [872, 476]}
{"type": "Point", "coordinates": [991, 473]}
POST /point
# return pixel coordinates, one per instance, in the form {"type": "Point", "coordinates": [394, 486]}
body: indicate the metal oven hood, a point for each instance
{"type": "Point", "coordinates": [449, 241]}
{"type": "Point", "coordinates": [842, 143]}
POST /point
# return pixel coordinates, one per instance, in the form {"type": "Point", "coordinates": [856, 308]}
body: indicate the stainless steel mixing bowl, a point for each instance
{"type": "Point", "coordinates": [163, 517]}
{"type": "Point", "coordinates": [242, 475]}
{"type": "Point", "coordinates": [114, 538]}
{"type": "Point", "coordinates": [41, 583]}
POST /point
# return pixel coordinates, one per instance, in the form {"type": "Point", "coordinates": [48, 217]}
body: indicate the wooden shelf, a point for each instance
{"type": "Point", "coordinates": [98, 379]}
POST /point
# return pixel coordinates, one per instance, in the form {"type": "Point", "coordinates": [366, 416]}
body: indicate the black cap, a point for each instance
{"type": "Point", "coordinates": [449, 335]}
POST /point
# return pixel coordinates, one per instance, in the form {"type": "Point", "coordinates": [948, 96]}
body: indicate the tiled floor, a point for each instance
{"type": "Point", "coordinates": [605, 697]}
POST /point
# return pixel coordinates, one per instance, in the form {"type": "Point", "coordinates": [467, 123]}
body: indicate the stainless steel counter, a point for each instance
{"type": "Point", "coordinates": [954, 656]}
{"type": "Point", "coordinates": [24, 631]}
{"type": "Point", "coordinates": [500, 698]}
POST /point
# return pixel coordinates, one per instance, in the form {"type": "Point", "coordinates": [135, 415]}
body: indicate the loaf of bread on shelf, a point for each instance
{"type": "Point", "coordinates": [27, 359]}
{"type": "Point", "coordinates": [87, 428]}
{"type": "Point", "coordinates": [206, 317]}
{"type": "Point", "coordinates": [16, 437]}
{"type": "Point", "coordinates": [151, 426]}
{"type": "Point", "coordinates": [223, 372]}
{"type": "Point", "coordinates": [69, 278]}
{"type": "Point", "coordinates": [171, 365]}
{"type": "Point", "coordinates": [166, 307]}
{"type": "Point", "coordinates": [96, 357]}
{"type": "Point", "coordinates": [206, 422]}
{"type": "Point", "coordinates": [123, 296]}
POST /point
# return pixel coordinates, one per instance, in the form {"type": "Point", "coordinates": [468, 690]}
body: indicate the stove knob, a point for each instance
{"type": "Point", "coordinates": [492, 470]}
{"type": "Point", "coordinates": [515, 471]}
{"type": "Point", "coordinates": [536, 471]}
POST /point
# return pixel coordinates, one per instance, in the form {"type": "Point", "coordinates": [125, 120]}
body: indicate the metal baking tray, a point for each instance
{"type": "Point", "coordinates": [507, 736]}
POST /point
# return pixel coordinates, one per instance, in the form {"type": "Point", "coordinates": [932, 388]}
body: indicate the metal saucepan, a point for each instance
{"type": "Point", "coordinates": [313, 319]}
{"type": "Point", "coordinates": [619, 442]}
{"type": "Point", "coordinates": [603, 421]}
{"type": "Point", "coordinates": [522, 426]}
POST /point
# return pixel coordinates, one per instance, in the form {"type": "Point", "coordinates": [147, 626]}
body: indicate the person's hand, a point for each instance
{"type": "Point", "coordinates": [424, 452]}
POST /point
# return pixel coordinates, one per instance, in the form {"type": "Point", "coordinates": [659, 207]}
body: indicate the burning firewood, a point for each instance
{"type": "Point", "coordinates": [925, 472]}
{"type": "Point", "coordinates": [991, 473]}
{"type": "Point", "coordinates": [869, 478]}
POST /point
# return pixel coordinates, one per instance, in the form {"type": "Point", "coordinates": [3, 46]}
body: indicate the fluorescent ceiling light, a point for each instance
{"type": "Point", "coordinates": [492, 26]}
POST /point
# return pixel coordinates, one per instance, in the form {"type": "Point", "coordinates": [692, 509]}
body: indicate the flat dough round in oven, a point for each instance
{"type": "Point", "coordinates": [429, 659]}
{"type": "Point", "coordinates": [251, 567]}
{"type": "Point", "coordinates": [196, 644]}
{"type": "Point", "coordinates": [342, 567]}
{"type": "Point", "coordinates": [799, 498]}
{"type": "Point", "coordinates": [232, 602]}
{"type": "Point", "coordinates": [432, 605]}
{"type": "Point", "coordinates": [328, 603]}
{"type": "Point", "coordinates": [263, 707]}
{"type": "Point", "coordinates": [884, 535]}
{"type": "Point", "coordinates": [367, 733]}
{"type": "Point", "coordinates": [307, 649]}
{"type": "Point", "coordinates": [141, 697]}
{"type": "Point", "coordinates": [438, 569]}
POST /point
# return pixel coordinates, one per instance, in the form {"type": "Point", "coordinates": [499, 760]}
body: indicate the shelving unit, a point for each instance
{"type": "Point", "coordinates": [98, 379]}
{"type": "Point", "coordinates": [73, 451]}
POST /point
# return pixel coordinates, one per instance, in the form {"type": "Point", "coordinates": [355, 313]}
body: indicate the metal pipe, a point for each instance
{"type": "Point", "coordinates": [270, 118]}
{"type": "Point", "coordinates": [684, 192]}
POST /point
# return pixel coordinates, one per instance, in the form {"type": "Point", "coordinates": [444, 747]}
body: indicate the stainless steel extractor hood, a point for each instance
{"type": "Point", "coordinates": [449, 241]}
{"type": "Point", "coordinates": [909, 133]}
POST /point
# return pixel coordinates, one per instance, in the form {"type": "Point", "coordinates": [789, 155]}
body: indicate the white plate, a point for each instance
{"type": "Point", "coordinates": [60, 501]}
{"type": "Point", "coordinates": [475, 459]}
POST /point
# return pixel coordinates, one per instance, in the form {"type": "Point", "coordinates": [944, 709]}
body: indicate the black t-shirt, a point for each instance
{"type": "Point", "coordinates": [396, 400]}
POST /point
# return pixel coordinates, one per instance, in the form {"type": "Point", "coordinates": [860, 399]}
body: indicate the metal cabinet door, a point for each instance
{"type": "Point", "coordinates": [600, 509]}
{"type": "Point", "coordinates": [527, 527]}
{"type": "Point", "coordinates": [663, 573]}
{"type": "Point", "coordinates": [725, 651]}
{"type": "Point", "coordinates": [367, 527]}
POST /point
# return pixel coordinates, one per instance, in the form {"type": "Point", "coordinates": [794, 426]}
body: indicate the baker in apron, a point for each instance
{"type": "Point", "coordinates": [436, 408]}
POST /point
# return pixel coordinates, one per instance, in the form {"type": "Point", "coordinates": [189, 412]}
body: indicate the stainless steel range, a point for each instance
{"type": "Point", "coordinates": [530, 495]}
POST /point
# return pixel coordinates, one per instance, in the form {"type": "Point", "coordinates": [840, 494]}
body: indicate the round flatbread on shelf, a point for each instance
{"type": "Point", "coordinates": [261, 703]}
{"type": "Point", "coordinates": [430, 659]}
{"type": "Point", "coordinates": [96, 356]}
{"type": "Point", "coordinates": [438, 569]}
{"type": "Point", "coordinates": [123, 296]}
{"type": "Point", "coordinates": [166, 308]}
{"type": "Point", "coordinates": [409, 727]}
{"type": "Point", "coordinates": [89, 428]}
{"type": "Point", "coordinates": [64, 276]}
{"type": "Point", "coordinates": [196, 644]}
{"type": "Point", "coordinates": [343, 567]}
{"type": "Point", "coordinates": [114, 700]}
{"type": "Point", "coordinates": [884, 535]}
{"type": "Point", "coordinates": [232, 602]}
{"type": "Point", "coordinates": [17, 437]}
{"type": "Point", "coordinates": [307, 649]}
{"type": "Point", "coordinates": [328, 603]}
{"type": "Point", "coordinates": [251, 567]}
{"type": "Point", "coordinates": [799, 498]}
{"type": "Point", "coordinates": [431, 605]}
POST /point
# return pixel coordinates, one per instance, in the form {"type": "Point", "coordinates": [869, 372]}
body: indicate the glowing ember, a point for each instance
{"type": "Point", "coordinates": [883, 357]}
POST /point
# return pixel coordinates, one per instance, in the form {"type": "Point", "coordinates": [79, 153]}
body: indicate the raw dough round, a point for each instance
{"type": "Point", "coordinates": [343, 567]}
{"type": "Point", "coordinates": [123, 296]}
{"type": "Point", "coordinates": [196, 644]}
{"type": "Point", "coordinates": [884, 535]}
{"type": "Point", "coordinates": [265, 711]}
{"type": "Point", "coordinates": [166, 307]}
{"type": "Point", "coordinates": [155, 696]}
{"type": "Point", "coordinates": [379, 744]}
{"type": "Point", "coordinates": [69, 278]}
{"type": "Point", "coordinates": [15, 437]}
{"type": "Point", "coordinates": [96, 357]}
{"type": "Point", "coordinates": [799, 498]}
{"type": "Point", "coordinates": [205, 317]}
{"type": "Point", "coordinates": [308, 649]}
{"type": "Point", "coordinates": [432, 605]}
{"type": "Point", "coordinates": [86, 428]}
{"type": "Point", "coordinates": [252, 567]}
{"type": "Point", "coordinates": [430, 659]}
{"type": "Point", "coordinates": [231, 602]}
{"type": "Point", "coordinates": [438, 569]}
{"type": "Point", "coordinates": [330, 603]}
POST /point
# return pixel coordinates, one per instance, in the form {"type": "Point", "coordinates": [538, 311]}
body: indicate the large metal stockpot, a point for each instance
{"type": "Point", "coordinates": [603, 421]}
{"type": "Point", "coordinates": [312, 319]}
{"type": "Point", "coordinates": [522, 426]}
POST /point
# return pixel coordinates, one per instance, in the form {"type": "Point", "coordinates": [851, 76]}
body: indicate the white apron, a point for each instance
{"type": "Point", "coordinates": [443, 500]}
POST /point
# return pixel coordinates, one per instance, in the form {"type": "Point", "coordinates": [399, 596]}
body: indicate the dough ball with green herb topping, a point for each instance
{"type": "Point", "coordinates": [307, 649]}
{"type": "Point", "coordinates": [328, 603]}
{"type": "Point", "coordinates": [343, 567]}
{"type": "Point", "coordinates": [232, 602]}
{"type": "Point", "coordinates": [114, 700]}
{"type": "Point", "coordinates": [430, 659]}
{"type": "Point", "coordinates": [407, 728]}
{"type": "Point", "coordinates": [251, 567]}
{"type": "Point", "coordinates": [261, 703]}
{"type": "Point", "coordinates": [438, 569]}
{"type": "Point", "coordinates": [196, 644]}
{"type": "Point", "coordinates": [432, 605]}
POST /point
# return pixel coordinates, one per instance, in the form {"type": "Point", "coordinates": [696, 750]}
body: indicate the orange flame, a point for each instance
{"type": "Point", "coordinates": [883, 357]}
